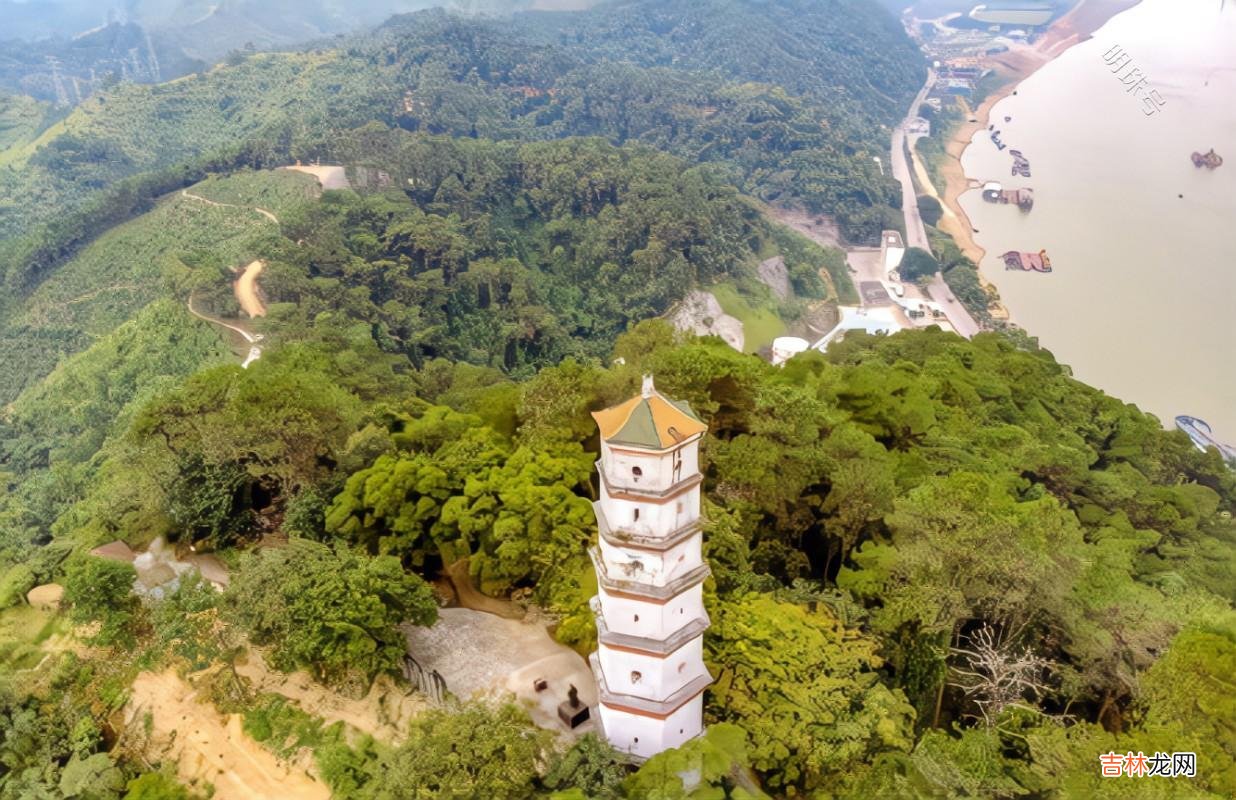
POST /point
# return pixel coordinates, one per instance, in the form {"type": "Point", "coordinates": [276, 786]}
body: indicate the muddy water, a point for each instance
{"type": "Point", "coordinates": [1142, 302]}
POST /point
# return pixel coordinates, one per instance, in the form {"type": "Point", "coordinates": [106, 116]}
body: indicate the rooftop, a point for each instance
{"type": "Point", "coordinates": [650, 420]}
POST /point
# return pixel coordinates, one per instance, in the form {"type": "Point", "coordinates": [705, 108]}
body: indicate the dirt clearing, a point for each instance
{"type": "Point", "coordinates": [384, 713]}
{"type": "Point", "coordinates": [328, 177]}
{"type": "Point", "coordinates": [209, 747]}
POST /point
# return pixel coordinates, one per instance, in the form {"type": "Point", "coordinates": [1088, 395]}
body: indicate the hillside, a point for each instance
{"type": "Point", "coordinates": [117, 153]}
{"type": "Point", "coordinates": [292, 103]}
{"type": "Point", "coordinates": [251, 554]}
{"type": "Point", "coordinates": [845, 496]}
{"type": "Point", "coordinates": [116, 275]}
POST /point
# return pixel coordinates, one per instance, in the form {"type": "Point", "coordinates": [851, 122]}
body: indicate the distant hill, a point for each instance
{"type": "Point", "coordinates": [62, 51]}
{"type": "Point", "coordinates": [66, 71]}
{"type": "Point", "coordinates": [777, 102]}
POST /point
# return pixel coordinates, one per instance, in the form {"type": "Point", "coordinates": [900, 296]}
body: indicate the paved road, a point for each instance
{"type": "Point", "coordinates": [916, 233]}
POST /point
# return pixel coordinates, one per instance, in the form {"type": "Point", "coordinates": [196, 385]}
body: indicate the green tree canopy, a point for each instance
{"type": "Point", "coordinates": [333, 611]}
{"type": "Point", "coordinates": [918, 264]}
{"type": "Point", "coordinates": [804, 687]}
{"type": "Point", "coordinates": [101, 591]}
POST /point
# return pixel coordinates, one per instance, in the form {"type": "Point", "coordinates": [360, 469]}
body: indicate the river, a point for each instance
{"type": "Point", "coordinates": [1142, 299]}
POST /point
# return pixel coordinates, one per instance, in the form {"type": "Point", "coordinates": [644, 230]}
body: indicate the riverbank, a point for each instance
{"type": "Point", "coordinates": [1013, 67]}
{"type": "Point", "coordinates": [1139, 303]}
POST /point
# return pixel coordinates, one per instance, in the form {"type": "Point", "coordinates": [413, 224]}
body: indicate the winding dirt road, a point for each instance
{"type": "Point", "coordinates": [246, 289]}
{"type": "Point", "coordinates": [216, 204]}
{"type": "Point", "coordinates": [255, 351]}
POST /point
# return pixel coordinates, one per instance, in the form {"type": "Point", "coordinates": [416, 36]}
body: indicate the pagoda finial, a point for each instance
{"type": "Point", "coordinates": [648, 388]}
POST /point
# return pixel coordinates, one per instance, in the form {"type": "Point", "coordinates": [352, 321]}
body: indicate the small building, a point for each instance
{"type": "Point", "coordinates": [918, 127]}
{"type": "Point", "coordinates": [957, 87]}
{"type": "Point", "coordinates": [786, 347]}
{"type": "Point", "coordinates": [115, 551]}
{"type": "Point", "coordinates": [892, 250]}
{"type": "Point", "coordinates": [649, 607]}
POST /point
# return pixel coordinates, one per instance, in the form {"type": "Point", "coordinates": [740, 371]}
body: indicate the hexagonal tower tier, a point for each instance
{"type": "Point", "coordinates": [649, 606]}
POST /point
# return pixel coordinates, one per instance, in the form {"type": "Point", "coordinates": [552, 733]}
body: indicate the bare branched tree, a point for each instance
{"type": "Point", "coordinates": [997, 675]}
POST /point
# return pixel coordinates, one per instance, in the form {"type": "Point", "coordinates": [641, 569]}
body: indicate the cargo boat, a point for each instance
{"type": "Point", "coordinates": [1027, 262]}
{"type": "Point", "coordinates": [993, 192]}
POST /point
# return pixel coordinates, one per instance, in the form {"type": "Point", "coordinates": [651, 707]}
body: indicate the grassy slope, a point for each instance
{"type": "Point", "coordinates": [94, 393]}
{"type": "Point", "coordinates": [132, 265]}
{"type": "Point", "coordinates": [22, 632]}
{"type": "Point", "coordinates": [760, 323]}
{"type": "Point", "coordinates": [20, 120]}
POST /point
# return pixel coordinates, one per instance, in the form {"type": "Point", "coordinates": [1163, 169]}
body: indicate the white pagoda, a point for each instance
{"type": "Point", "coordinates": [649, 607]}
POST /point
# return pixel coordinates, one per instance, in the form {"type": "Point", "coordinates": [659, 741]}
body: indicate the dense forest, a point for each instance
{"type": "Point", "coordinates": [811, 140]}
{"type": "Point", "coordinates": [889, 528]}
{"type": "Point", "coordinates": [940, 568]}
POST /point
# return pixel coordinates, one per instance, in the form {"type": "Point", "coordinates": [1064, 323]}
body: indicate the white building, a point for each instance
{"type": "Point", "coordinates": [786, 347]}
{"type": "Point", "coordinates": [649, 606]}
{"type": "Point", "coordinates": [875, 320]}
{"type": "Point", "coordinates": [892, 250]}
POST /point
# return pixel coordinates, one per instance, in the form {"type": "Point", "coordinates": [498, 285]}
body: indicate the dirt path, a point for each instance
{"type": "Point", "coordinates": [468, 597]}
{"type": "Point", "coordinates": [255, 351]}
{"type": "Point", "coordinates": [209, 747]}
{"type": "Point", "coordinates": [246, 289]}
{"type": "Point", "coordinates": [216, 204]}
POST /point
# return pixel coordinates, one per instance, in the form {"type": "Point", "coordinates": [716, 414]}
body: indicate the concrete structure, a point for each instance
{"type": "Point", "coordinates": [482, 655]}
{"type": "Point", "coordinates": [877, 321]}
{"type": "Point", "coordinates": [892, 250]}
{"type": "Point", "coordinates": [1026, 15]}
{"type": "Point", "coordinates": [649, 663]}
{"type": "Point", "coordinates": [786, 347]}
{"type": "Point", "coordinates": [918, 127]}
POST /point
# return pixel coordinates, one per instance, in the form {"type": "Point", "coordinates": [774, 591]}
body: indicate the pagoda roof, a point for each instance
{"type": "Point", "coordinates": [650, 420]}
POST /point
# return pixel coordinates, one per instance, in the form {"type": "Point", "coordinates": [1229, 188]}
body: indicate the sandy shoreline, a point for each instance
{"type": "Point", "coordinates": [1014, 67]}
